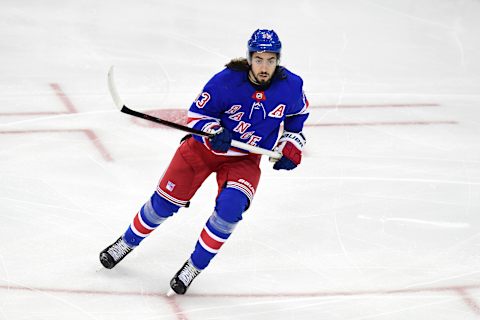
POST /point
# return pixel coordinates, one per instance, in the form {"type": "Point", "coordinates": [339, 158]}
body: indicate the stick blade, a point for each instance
{"type": "Point", "coordinates": [113, 89]}
{"type": "Point", "coordinates": [171, 293]}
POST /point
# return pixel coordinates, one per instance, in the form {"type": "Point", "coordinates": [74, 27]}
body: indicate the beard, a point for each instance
{"type": "Point", "coordinates": [263, 78]}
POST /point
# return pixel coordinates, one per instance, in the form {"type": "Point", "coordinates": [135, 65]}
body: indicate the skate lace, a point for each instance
{"type": "Point", "coordinates": [119, 250]}
{"type": "Point", "coordinates": [188, 274]}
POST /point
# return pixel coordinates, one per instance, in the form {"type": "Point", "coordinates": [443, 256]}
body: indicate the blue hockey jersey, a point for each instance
{"type": "Point", "coordinates": [253, 114]}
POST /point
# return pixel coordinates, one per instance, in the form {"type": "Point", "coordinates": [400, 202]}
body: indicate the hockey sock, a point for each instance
{"type": "Point", "coordinates": [230, 205]}
{"type": "Point", "coordinates": [210, 241]}
{"type": "Point", "coordinates": [152, 214]}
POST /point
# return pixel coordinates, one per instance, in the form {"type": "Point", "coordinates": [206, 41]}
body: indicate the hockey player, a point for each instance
{"type": "Point", "coordinates": [248, 101]}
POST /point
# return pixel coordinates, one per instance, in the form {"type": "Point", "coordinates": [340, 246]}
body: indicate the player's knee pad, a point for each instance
{"type": "Point", "coordinates": [160, 207]}
{"type": "Point", "coordinates": [231, 203]}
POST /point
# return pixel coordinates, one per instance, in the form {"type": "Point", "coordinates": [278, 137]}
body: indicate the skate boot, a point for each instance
{"type": "Point", "coordinates": [114, 253]}
{"type": "Point", "coordinates": [183, 278]}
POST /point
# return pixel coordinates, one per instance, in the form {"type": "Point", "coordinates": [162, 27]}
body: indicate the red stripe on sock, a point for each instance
{"type": "Point", "coordinates": [139, 226]}
{"type": "Point", "coordinates": [209, 241]}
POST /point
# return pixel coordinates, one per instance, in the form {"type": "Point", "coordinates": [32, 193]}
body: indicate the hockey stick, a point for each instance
{"type": "Point", "coordinates": [123, 108]}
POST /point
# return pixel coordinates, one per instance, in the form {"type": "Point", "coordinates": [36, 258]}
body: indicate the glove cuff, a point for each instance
{"type": "Point", "coordinates": [297, 139]}
{"type": "Point", "coordinates": [291, 145]}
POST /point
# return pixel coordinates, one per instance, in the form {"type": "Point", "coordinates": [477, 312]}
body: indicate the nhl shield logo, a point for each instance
{"type": "Point", "coordinates": [259, 96]}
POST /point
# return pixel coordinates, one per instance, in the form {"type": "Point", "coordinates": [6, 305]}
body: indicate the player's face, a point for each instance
{"type": "Point", "coordinates": [263, 66]}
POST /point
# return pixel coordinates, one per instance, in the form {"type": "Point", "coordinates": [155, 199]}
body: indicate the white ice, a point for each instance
{"type": "Point", "coordinates": [380, 221]}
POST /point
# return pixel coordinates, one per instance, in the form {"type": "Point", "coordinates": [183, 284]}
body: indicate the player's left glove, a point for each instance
{"type": "Point", "coordinates": [290, 145]}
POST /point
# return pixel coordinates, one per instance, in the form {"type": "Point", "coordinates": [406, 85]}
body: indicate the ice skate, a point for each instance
{"type": "Point", "coordinates": [114, 253]}
{"type": "Point", "coordinates": [183, 278]}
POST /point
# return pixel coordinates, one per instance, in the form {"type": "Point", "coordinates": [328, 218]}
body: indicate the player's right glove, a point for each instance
{"type": "Point", "coordinates": [221, 139]}
{"type": "Point", "coordinates": [290, 145]}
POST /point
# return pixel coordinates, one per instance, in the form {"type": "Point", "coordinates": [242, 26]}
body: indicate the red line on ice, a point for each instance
{"type": "Point", "coordinates": [60, 94]}
{"type": "Point", "coordinates": [469, 301]}
{"type": "Point", "coordinates": [39, 113]}
{"type": "Point", "coordinates": [96, 142]}
{"type": "Point", "coordinates": [171, 301]}
{"type": "Point", "coordinates": [313, 294]}
{"type": "Point", "coordinates": [91, 135]}
{"type": "Point", "coordinates": [382, 123]}
{"type": "Point", "coordinates": [391, 105]}
{"type": "Point", "coordinates": [88, 132]}
{"type": "Point", "coordinates": [66, 101]}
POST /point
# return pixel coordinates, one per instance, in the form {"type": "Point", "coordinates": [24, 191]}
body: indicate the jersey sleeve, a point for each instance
{"type": "Point", "coordinates": [295, 119]}
{"type": "Point", "coordinates": [205, 111]}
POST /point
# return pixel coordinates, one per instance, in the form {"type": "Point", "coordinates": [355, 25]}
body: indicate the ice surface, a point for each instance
{"type": "Point", "coordinates": [380, 221]}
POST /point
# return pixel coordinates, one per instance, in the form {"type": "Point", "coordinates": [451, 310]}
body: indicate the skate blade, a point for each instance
{"type": "Point", "coordinates": [171, 293]}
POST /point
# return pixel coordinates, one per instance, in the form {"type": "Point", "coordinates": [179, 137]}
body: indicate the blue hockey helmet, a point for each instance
{"type": "Point", "coordinates": [263, 40]}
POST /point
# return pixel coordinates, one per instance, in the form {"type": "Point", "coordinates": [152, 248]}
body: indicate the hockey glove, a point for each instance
{"type": "Point", "coordinates": [221, 140]}
{"type": "Point", "coordinates": [290, 145]}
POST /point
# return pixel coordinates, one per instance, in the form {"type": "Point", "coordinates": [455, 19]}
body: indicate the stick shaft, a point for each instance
{"type": "Point", "coordinates": [123, 108]}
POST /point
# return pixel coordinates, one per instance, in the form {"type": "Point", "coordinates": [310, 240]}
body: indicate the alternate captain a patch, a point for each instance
{"type": "Point", "coordinates": [278, 111]}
